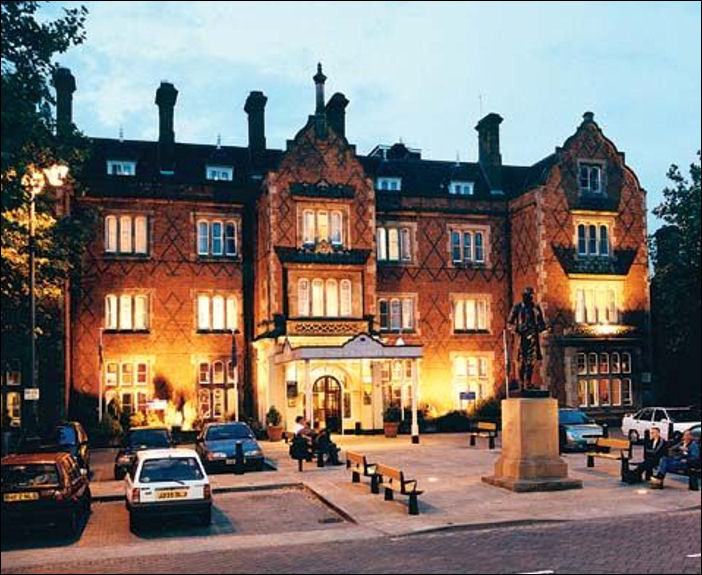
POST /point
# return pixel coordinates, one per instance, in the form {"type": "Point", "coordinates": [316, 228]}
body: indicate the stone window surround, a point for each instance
{"type": "Point", "coordinates": [469, 227]}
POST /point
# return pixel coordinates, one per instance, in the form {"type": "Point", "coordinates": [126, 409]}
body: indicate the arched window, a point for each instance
{"type": "Point", "coordinates": [393, 244]}
{"type": "Point", "coordinates": [141, 312]}
{"type": "Point", "coordinates": [110, 234]}
{"type": "Point", "coordinates": [203, 312]}
{"type": "Point", "coordinates": [332, 298]}
{"type": "Point", "coordinates": [345, 298]}
{"type": "Point", "coordinates": [604, 241]}
{"type": "Point", "coordinates": [140, 235]}
{"type": "Point", "coordinates": [592, 239]}
{"type": "Point", "coordinates": [405, 245]}
{"type": "Point", "coordinates": [125, 312]}
{"type": "Point", "coordinates": [317, 297]}
{"type": "Point", "coordinates": [336, 228]}
{"type": "Point", "coordinates": [217, 239]}
{"type": "Point", "coordinates": [382, 246]}
{"type": "Point", "coordinates": [218, 312]}
{"type": "Point", "coordinates": [110, 311]}
{"type": "Point", "coordinates": [323, 225]}
{"type": "Point", "coordinates": [308, 227]}
{"type": "Point", "coordinates": [303, 297]}
{"type": "Point", "coordinates": [467, 249]}
{"type": "Point", "coordinates": [582, 240]}
{"type": "Point", "coordinates": [395, 314]}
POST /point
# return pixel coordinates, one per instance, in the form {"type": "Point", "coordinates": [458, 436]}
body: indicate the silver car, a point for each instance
{"type": "Point", "coordinates": [576, 431]}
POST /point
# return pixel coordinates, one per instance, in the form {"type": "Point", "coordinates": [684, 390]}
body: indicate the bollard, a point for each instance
{"type": "Point", "coordinates": [299, 464]}
{"type": "Point", "coordinates": [320, 458]}
{"type": "Point", "coordinates": [239, 459]}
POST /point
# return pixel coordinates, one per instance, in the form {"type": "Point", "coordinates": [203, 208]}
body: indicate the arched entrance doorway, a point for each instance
{"type": "Point", "coordinates": [326, 403]}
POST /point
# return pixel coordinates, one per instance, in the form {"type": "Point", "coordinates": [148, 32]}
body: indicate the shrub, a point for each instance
{"type": "Point", "coordinates": [392, 414]}
{"type": "Point", "coordinates": [273, 417]}
{"type": "Point", "coordinates": [453, 421]}
{"type": "Point", "coordinates": [489, 408]}
{"type": "Point", "coordinates": [108, 432]}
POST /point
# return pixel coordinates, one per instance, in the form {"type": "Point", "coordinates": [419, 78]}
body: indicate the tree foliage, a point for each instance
{"type": "Point", "coordinates": [29, 44]}
{"type": "Point", "coordinates": [676, 288]}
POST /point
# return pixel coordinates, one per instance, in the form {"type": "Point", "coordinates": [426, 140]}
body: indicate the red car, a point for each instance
{"type": "Point", "coordinates": [44, 488]}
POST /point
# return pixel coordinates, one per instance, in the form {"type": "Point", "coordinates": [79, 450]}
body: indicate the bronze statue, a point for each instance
{"type": "Point", "coordinates": [527, 321]}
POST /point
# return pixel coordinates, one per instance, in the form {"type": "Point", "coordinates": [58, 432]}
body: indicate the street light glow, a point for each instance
{"type": "Point", "coordinates": [56, 175]}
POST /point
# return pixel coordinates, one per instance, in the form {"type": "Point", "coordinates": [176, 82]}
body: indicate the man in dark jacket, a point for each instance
{"type": "Point", "coordinates": [655, 448]}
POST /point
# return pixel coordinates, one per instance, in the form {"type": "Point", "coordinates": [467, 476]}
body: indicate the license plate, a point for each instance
{"type": "Point", "coordinates": [172, 494]}
{"type": "Point", "coordinates": [230, 461]}
{"type": "Point", "coordinates": [591, 440]}
{"type": "Point", "coordinates": [29, 496]}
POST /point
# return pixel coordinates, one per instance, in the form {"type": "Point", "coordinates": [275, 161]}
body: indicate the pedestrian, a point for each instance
{"type": "Point", "coordinates": [655, 448]}
{"type": "Point", "coordinates": [683, 456]}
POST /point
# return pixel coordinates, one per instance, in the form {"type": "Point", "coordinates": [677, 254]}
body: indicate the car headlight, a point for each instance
{"type": "Point", "coordinates": [572, 435]}
{"type": "Point", "coordinates": [254, 453]}
{"type": "Point", "coordinates": [216, 455]}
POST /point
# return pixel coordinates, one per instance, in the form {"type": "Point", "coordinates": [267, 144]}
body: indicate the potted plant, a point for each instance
{"type": "Point", "coordinates": [273, 419]}
{"type": "Point", "coordinates": [391, 420]}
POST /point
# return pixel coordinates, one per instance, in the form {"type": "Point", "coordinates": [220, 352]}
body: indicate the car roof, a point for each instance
{"type": "Point", "coordinates": [166, 453]}
{"type": "Point", "coordinates": [34, 458]}
{"type": "Point", "coordinates": [148, 428]}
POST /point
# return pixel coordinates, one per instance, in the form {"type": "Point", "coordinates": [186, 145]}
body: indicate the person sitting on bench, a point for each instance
{"type": "Point", "coordinates": [655, 449]}
{"type": "Point", "coordinates": [684, 456]}
{"type": "Point", "coordinates": [327, 447]}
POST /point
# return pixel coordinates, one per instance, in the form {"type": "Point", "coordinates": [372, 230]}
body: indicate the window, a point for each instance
{"type": "Point", "coordinates": [14, 406]}
{"type": "Point", "coordinates": [203, 374]}
{"type": "Point", "coordinates": [470, 314]}
{"type": "Point", "coordinates": [140, 235]}
{"type": "Point", "coordinates": [332, 299]}
{"type": "Point", "coordinates": [219, 173]}
{"type": "Point", "coordinates": [127, 312]}
{"type": "Point", "coordinates": [217, 313]}
{"type": "Point", "coordinates": [126, 234]}
{"type": "Point", "coordinates": [599, 382]}
{"type": "Point", "coordinates": [467, 246]}
{"type": "Point", "coordinates": [392, 184]}
{"type": "Point", "coordinates": [218, 372]}
{"type": "Point", "coordinates": [126, 373]}
{"type": "Point", "coordinates": [212, 378]}
{"type": "Point", "coordinates": [345, 298]}
{"type": "Point", "coordinates": [216, 238]}
{"type": "Point", "coordinates": [303, 297]}
{"type": "Point", "coordinates": [396, 314]}
{"type": "Point", "coordinates": [110, 234]}
{"type": "Point", "coordinates": [322, 225]}
{"type": "Point", "coordinates": [111, 374]}
{"type": "Point", "coordinates": [317, 298]}
{"type": "Point", "coordinates": [121, 168]}
{"type": "Point", "coordinates": [308, 230]}
{"type": "Point", "coordinates": [394, 244]}
{"type": "Point", "coordinates": [593, 238]}
{"type": "Point", "coordinates": [336, 228]}
{"type": "Point", "coordinates": [142, 374]}
{"type": "Point", "coordinates": [461, 188]}
{"type": "Point", "coordinates": [591, 178]}
{"type": "Point", "coordinates": [471, 373]}
{"type": "Point", "coordinates": [596, 305]}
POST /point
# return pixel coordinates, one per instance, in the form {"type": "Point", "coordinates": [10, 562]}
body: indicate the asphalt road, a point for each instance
{"type": "Point", "coordinates": [667, 543]}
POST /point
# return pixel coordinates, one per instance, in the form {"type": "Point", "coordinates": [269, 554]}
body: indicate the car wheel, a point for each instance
{"type": "Point", "coordinates": [633, 436]}
{"type": "Point", "coordinates": [206, 517]}
{"type": "Point", "coordinates": [134, 522]}
{"type": "Point", "coordinates": [119, 473]}
{"type": "Point", "coordinates": [70, 528]}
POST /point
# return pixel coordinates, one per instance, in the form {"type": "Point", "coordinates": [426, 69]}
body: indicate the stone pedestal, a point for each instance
{"type": "Point", "coordinates": [530, 459]}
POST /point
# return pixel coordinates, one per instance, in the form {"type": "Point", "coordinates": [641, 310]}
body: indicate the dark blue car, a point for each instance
{"type": "Point", "coordinates": [216, 446]}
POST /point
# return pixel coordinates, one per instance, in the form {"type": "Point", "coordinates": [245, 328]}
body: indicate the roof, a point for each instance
{"type": "Point", "coordinates": [149, 427]}
{"type": "Point", "coordinates": [166, 453]}
{"type": "Point", "coordinates": [33, 458]}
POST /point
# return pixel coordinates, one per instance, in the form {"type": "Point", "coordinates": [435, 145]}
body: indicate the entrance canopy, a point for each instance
{"type": "Point", "coordinates": [362, 346]}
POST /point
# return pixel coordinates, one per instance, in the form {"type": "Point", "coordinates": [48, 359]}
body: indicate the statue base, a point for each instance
{"type": "Point", "coordinates": [530, 458]}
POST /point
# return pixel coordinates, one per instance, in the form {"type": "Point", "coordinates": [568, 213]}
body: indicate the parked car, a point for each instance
{"type": "Point", "coordinates": [695, 430]}
{"type": "Point", "coordinates": [167, 482]}
{"type": "Point", "coordinates": [635, 425]}
{"type": "Point", "coordinates": [68, 436]}
{"type": "Point", "coordinates": [216, 446]}
{"type": "Point", "coordinates": [140, 439]}
{"type": "Point", "coordinates": [44, 488]}
{"type": "Point", "coordinates": [577, 431]}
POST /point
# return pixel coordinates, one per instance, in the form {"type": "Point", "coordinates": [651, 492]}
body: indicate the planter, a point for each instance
{"type": "Point", "coordinates": [275, 432]}
{"type": "Point", "coordinates": [390, 428]}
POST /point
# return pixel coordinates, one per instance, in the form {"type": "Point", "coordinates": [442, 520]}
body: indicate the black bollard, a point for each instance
{"type": "Point", "coordinates": [239, 459]}
{"type": "Point", "coordinates": [299, 464]}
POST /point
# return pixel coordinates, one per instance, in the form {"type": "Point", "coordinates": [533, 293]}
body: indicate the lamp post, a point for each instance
{"type": "Point", "coordinates": [36, 181]}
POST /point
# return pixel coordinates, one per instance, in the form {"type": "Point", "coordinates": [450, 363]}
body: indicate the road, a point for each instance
{"type": "Point", "coordinates": [667, 543]}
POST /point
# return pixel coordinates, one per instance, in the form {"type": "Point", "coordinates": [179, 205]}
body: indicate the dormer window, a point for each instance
{"type": "Point", "coordinates": [591, 178]}
{"type": "Point", "coordinates": [392, 184]}
{"type": "Point", "coordinates": [219, 173]}
{"type": "Point", "coordinates": [121, 168]}
{"type": "Point", "coordinates": [458, 188]}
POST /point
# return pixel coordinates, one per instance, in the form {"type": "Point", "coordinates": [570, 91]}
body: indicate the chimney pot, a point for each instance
{"type": "Point", "coordinates": [255, 107]}
{"type": "Point", "coordinates": [489, 155]}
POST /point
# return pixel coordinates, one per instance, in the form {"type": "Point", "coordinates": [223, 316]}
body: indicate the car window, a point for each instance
{"type": "Point", "coordinates": [66, 435]}
{"type": "Point", "coordinates": [229, 431]}
{"type": "Point", "coordinates": [573, 418]}
{"type": "Point", "coordinates": [149, 438]}
{"type": "Point", "coordinates": [645, 414]}
{"type": "Point", "coordinates": [33, 475]}
{"type": "Point", "coordinates": [685, 414]}
{"type": "Point", "coordinates": [170, 469]}
{"type": "Point", "coordinates": [659, 415]}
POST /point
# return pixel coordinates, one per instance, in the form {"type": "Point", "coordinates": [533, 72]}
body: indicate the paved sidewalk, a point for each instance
{"type": "Point", "coordinates": [449, 472]}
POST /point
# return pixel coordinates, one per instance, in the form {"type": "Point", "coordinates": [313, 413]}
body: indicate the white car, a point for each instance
{"type": "Point", "coordinates": [679, 418]}
{"type": "Point", "coordinates": [167, 482]}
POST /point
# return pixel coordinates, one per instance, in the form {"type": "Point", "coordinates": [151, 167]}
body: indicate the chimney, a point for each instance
{"type": "Point", "coordinates": [166, 97]}
{"type": "Point", "coordinates": [65, 85]}
{"type": "Point", "coordinates": [336, 113]}
{"type": "Point", "coordinates": [255, 107]}
{"type": "Point", "coordinates": [489, 140]}
{"type": "Point", "coordinates": [319, 79]}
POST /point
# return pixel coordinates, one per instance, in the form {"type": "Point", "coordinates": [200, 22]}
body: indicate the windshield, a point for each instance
{"type": "Point", "coordinates": [42, 474]}
{"type": "Point", "coordinates": [685, 414]}
{"type": "Point", "coordinates": [149, 438]}
{"type": "Point", "coordinates": [233, 431]}
{"type": "Point", "coordinates": [170, 469]}
{"type": "Point", "coordinates": [65, 435]}
{"type": "Point", "coordinates": [573, 418]}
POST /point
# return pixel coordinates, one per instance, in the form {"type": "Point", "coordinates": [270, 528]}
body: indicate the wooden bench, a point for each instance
{"type": "Point", "coordinates": [393, 481]}
{"type": "Point", "coordinates": [359, 466]}
{"type": "Point", "coordinates": [487, 429]}
{"type": "Point", "coordinates": [616, 449]}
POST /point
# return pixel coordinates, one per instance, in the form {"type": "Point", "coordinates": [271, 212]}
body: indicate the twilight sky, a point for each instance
{"type": "Point", "coordinates": [412, 70]}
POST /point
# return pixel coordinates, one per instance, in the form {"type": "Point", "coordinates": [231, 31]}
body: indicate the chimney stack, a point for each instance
{"type": "Point", "coordinates": [65, 85]}
{"type": "Point", "coordinates": [489, 140]}
{"type": "Point", "coordinates": [336, 113]}
{"type": "Point", "coordinates": [166, 97]}
{"type": "Point", "coordinates": [255, 107]}
{"type": "Point", "coordinates": [319, 79]}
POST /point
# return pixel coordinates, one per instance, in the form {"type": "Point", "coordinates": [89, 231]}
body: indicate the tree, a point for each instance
{"type": "Point", "coordinates": [675, 289]}
{"type": "Point", "coordinates": [29, 145]}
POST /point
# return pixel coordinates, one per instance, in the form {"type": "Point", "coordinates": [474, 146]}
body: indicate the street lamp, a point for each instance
{"type": "Point", "coordinates": [36, 181]}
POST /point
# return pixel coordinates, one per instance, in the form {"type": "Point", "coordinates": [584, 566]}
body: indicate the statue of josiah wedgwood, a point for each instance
{"type": "Point", "coordinates": [527, 320]}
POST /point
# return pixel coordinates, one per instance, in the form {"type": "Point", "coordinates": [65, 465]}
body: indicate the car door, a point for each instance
{"type": "Point", "coordinates": [661, 421]}
{"type": "Point", "coordinates": [643, 421]}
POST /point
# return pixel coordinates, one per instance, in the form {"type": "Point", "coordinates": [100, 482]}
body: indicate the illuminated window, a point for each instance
{"type": "Point", "coordinates": [142, 373]}
{"type": "Point", "coordinates": [217, 313]}
{"type": "Point", "coordinates": [605, 387]}
{"type": "Point", "coordinates": [219, 173]}
{"type": "Point", "coordinates": [217, 402]}
{"type": "Point", "coordinates": [596, 305]}
{"type": "Point", "coordinates": [604, 392]}
{"type": "Point", "coordinates": [125, 234]}
{"type": "Point", "coordinates": [461, 188]}
{"type": "Point", "coordinates": [232, 313]}
{"type": "Point", "coordinates": [217, 372]}
{"type": "Point", "coordinates": [395, 314]}
{"type": "Point", "coordinates": [111, 310]}
{"type": "Point", "coordinates": [322, 225]}
{"type": "Point", "coordinates": [582, 392]}
{"type": "Point", "coordinates": [127, 375]}
{"type": "Point", "coordinates": [13, 402]}
{"type": "Point", "coordinates": [345, 298]}
{"type": "Point", "coordinates": [616, 391]}
{"type": "Point", "coordinates": [141, 312]}
{"type": "Point", "coordinates": [332, 298]}
{"type": "Point", "coordinates": [110, 234]}
{"type": "Point", "coordinates": [336, 228]}
{"type": "Point", "coordinates": [393, 244]}
{"type": "Point", "coordinates": [204, 373]}
{"type": "Point", "coordinates": [471, 373]}
{"type": "Point", "coordinates": [303, 297]}
{"type": "Point", "coordinates": [308, 231]}
{"type": "Point", "coordinates": [203, 312]}
{"type": "Point", "coordinates": [381, 244]}
{"type": "Point", "coordinates": [111, 374]}
{"type": "Point", "coordinates": [140, 235]}
{"type": "Point", "coordinates": [125, 312]}
{"type": "Point", "coordinates": [470, 314]}
{"type": "Point", "coordinates": [317, 298]}
{"type": "Point", "coordinates": [392, 184]}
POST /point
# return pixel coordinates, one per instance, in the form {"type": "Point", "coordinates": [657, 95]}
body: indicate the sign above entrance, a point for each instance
{"type": "Point", "coordinates": [467, 395]}
{"type": "Point", "coordinates": [31, 394]}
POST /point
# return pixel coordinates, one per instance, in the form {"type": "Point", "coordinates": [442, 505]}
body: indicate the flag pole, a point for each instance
{"type": "Point", "coordinates": [100, 370]}
{"type": "Point", "coordinates": [504, 344]}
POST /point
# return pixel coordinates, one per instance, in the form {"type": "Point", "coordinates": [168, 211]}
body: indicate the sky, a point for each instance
{"type": "Point", "coordinates": [420, 72]}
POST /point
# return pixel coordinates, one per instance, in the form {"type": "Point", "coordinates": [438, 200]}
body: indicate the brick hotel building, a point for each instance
{"type": "Point", "coordinates": [328, 282]}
